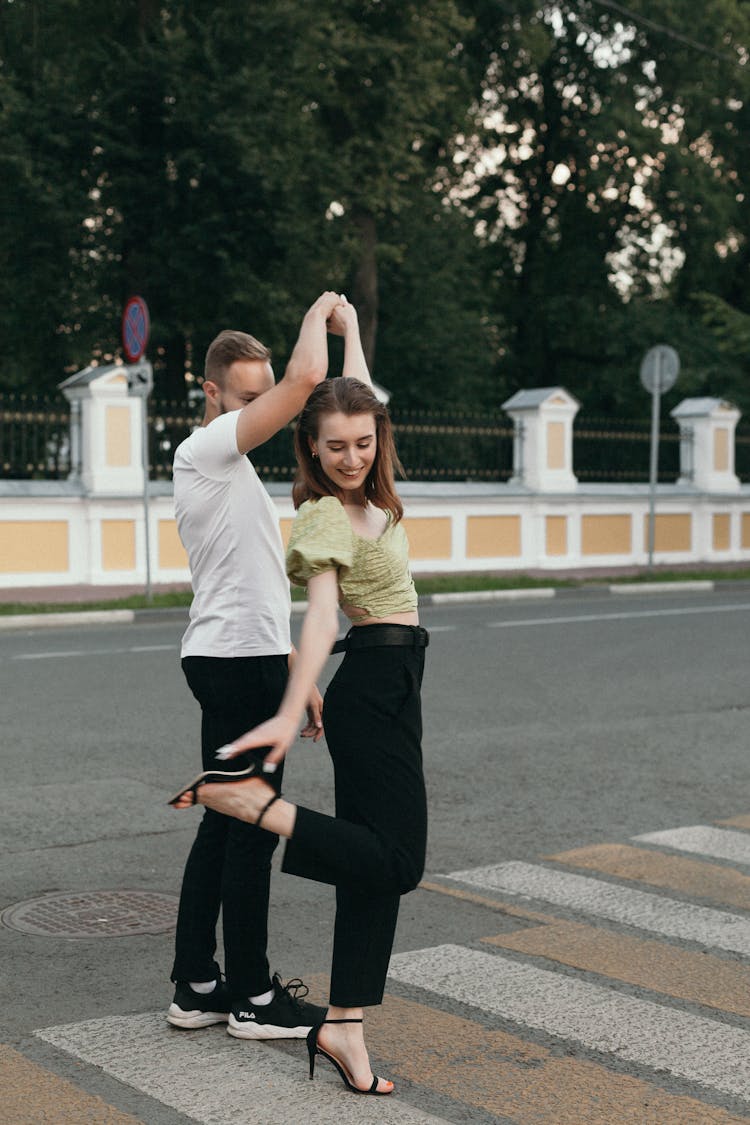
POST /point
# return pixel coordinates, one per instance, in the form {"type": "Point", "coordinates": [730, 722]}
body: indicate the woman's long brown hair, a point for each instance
{"type": "Point", "coordinates": [348, 396]}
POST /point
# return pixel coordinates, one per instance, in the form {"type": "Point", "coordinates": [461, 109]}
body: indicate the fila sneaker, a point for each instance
{"type": "Point", "coordinates": [194, 1009]}
{"type": "Point", "coordinates": [287, 1016]}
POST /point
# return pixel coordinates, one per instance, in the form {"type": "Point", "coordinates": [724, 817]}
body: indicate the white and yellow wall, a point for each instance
{"type": "Point", "coordinates": [90, 529]}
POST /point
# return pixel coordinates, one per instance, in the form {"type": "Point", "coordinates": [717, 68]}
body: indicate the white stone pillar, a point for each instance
{"type": "Point", "coordinates": [111, 430]}
{"type": "Point", "coordinates": [543, 444]}
{"type": "Point", "coordinates": [707, 428]}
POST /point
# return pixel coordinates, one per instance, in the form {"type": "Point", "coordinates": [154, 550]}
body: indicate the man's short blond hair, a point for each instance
{"type": "Point", "coordinates": [228, 347]}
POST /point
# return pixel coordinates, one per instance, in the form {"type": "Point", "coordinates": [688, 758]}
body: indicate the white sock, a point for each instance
{"type": "Point", "coordinates": [203, 987]}
{"type": "Point", "coordinates": [266, 998]}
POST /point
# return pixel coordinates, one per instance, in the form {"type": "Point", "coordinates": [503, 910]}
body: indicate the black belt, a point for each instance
{"type": "Point", "coordinates": [373, 636]}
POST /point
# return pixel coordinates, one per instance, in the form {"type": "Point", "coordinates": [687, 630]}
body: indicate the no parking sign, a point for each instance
{"type": "Point", "coordinates": [135, 329]}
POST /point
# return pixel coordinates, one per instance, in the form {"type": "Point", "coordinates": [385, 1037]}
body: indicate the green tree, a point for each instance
{"type": "Point", "coordinates": [601, 192]}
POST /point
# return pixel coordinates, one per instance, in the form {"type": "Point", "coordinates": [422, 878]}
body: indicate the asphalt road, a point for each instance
{"type": "Point", "coordinates": [549, 725]}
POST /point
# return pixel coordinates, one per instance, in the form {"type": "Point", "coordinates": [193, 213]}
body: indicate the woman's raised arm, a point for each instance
{"type": "Point", "coordinates": [319, 630]}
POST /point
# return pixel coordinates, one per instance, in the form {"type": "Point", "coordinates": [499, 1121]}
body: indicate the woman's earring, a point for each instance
{"type": "Point", "coordinates": [314, 455]}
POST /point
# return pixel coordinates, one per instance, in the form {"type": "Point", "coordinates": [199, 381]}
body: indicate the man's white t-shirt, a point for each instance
{"type": "Point", "coordinates": [230, 530]}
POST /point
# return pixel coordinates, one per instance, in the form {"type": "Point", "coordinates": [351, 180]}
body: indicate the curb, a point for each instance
{"type": "Point", "coordinates": [55, 620]}
{"type": "Point", "coordinates": [152, 616]}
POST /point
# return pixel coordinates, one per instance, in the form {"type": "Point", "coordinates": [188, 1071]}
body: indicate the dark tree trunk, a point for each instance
{"type": "Point", "coordinates": [364, 293]}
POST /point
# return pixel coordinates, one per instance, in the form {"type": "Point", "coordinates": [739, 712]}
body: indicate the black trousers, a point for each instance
{"type": "Point", "coordinates": [373, 850]}
{"type": "Point", "coordinates": [229, 866]}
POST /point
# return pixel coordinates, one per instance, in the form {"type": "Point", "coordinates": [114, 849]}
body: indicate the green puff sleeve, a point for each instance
{"type": "Point", "coordinates": [321, 539]}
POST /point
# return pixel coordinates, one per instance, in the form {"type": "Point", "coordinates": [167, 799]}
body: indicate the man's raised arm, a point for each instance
{"type": "Point", "coordinates": [308, 365]}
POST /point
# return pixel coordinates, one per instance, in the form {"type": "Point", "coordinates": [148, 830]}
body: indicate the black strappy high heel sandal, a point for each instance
{"type": "Point", "coordinates": [314, 1048]}
{"type": "Point", "coordinates": [213, 776]}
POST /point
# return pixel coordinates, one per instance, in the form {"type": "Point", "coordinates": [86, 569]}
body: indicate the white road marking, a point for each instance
{"type": "Point", "coordinates": [692, 1047]}
{"type": "Point", "coordinates": [624, 616]}
{"type": "Point", "coordinates": [215, 1079]}
{"type": "Point", "coordinates": [518, 594]}
{"type": "Point", "coordinates": [706, 585]}
{"type": "Point", "coordinates": [652, 912]}
{"type": "Point", "coordinates": [720, 843]}
{"type": "Point", "coordinates": [94, 652]}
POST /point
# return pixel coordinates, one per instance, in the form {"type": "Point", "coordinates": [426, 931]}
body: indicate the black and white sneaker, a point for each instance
{"type": "Point", "coordinates": [287, 1016]}
{"type": "Point", "coordinates": [194, 1009]}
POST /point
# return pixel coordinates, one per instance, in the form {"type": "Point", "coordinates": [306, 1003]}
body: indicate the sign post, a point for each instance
{"type": "Point", "coordinates": [135, 333]}
{"type": "Point", "coordinates": [659, 370]}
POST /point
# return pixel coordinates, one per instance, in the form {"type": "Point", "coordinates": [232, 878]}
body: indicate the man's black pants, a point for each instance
{"type": "Point", "coordinates": [229, 866]}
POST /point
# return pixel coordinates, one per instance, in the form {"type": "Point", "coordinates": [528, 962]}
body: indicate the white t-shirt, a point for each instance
{"type": "Point", "coordinates": [229, 528]}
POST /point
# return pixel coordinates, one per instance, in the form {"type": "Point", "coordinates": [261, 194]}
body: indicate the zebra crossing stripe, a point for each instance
{"type": "Point", "coordinates": [646, 911]}
{"type": "Point", "coordinates": [216, 1080]}
{"type": "Point", "coordinates": [451, 1056]}
{"type": "Point", "coordinates": [699, 1050]}
{"type": "Point", "coordinates": [702, 839]}
{"type": "Point", "coordinates": [722, 885]}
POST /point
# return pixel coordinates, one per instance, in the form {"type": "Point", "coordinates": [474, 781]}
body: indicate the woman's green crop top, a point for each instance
{"type": "Point", "coordinates": [373, 574]}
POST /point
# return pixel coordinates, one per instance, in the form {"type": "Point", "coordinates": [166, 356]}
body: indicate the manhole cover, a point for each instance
{"type": "Point", "coordinates": [93, 914]}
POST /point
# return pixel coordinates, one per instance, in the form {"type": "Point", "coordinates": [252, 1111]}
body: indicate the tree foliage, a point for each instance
{"type": "Point", "coordinates": [513, 195]}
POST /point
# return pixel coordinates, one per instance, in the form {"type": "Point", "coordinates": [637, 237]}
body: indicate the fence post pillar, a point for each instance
{"type": "Point", "coordinates": [543, 445]}
{"type": "Point", "coordinates": [707, 428]}
{"type": "Point", "coordinates": [109, 440]}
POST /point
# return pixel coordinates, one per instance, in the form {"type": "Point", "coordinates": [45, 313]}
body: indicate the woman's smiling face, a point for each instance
{"type": "Point", "coordinates": [347, 445]}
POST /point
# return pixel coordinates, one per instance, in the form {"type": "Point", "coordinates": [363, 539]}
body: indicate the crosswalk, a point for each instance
{"type": "Point", "coordinates": [617, 990]}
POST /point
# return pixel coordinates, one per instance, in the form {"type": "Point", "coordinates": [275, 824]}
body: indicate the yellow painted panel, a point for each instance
{"type": "Point", "coordinates": [117, 436]}
{"type": "Point", "coordinates": [34, 546]}
{"type": "Point", "coordinates": [606, 535]}
{"type": "Point", "coordinates": [118, 545]}
{"type": "Point", "coordinates": [493, 536]}
{"type": "Point", "coordinates": [430, 537]}
{"type": "Point", "coordinates": [721, 449]}
{"type": "Point", "coordinates": [745, 529]}
{"type": "Point", "coordinates": [671, 532]}
{"type": "Point", "coordinates": [695, 877]}
{"type": "Point", "coordinates": [697, 977]}
{"type": "Point", "coordinates": [172, 554]}
{"type": "Point", "coordinates": [286, 529]}
{"type": "Point", "coordinates": [555, 445]}
{"type": "Point", "coordinates": [721, 537]}
{"type": "Point", "coordinates": [33, 1093]}
{"type": "Point", "coordinates": [556, 535]}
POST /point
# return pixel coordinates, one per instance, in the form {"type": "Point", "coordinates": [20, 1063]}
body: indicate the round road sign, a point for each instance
{"type": "Point", "coordinates": [135, 329]}
{"type": "Point", "coordinates": [660, 368]}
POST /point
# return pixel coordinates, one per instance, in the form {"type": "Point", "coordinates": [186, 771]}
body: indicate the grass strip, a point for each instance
{"type": "Point", "coordinates": [441, 584]}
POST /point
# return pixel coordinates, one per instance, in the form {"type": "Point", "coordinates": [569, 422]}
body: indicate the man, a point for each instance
{"type": "Point", "coordinates": [235, 656]}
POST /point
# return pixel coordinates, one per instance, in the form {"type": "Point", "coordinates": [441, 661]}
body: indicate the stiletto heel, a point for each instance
{"type": "Point", "coordinates": [314, 1048]}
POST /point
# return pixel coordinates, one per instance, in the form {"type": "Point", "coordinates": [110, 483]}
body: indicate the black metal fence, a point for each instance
{"type": "Point", "coordinates": [35, 444]}
{"type": "Point", "coordinates": [34, 437]}
{"type": "Point", "coordinates": [607, 450]}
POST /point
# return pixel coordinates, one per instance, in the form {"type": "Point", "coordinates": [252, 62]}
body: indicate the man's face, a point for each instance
{"type": "Point", "coordinates": [245, 380]}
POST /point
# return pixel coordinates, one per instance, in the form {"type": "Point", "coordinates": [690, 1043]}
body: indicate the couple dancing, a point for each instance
{"type": "Point", "coordinates": [349, 549]}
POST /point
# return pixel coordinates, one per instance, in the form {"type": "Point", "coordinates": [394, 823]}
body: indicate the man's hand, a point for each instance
{"type": "Point", "coordinates": [343, 319]}
{"type": "Point", "coordinates": [314, 727]}
{"type": "Point", "coordinates": [325, 305]}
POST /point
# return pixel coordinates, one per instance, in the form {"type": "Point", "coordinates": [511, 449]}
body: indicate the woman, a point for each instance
{"type": "Point", "coordinates": [349, 548]}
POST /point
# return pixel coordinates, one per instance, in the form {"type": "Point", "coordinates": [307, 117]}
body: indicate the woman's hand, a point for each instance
{"type": "Point", "coordinates": [313, 728]}
{"type": "Point", "coordinates": [343, 319]}
{"type": "Point", "coordinates": [277, 733]}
